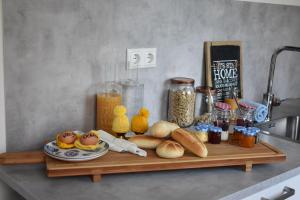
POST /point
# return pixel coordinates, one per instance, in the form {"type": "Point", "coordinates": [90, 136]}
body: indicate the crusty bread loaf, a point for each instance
{"type": "Point", "coordinates": [190, 142]}
{"type": "Point", "coordinates": [162, 129]}
{"type": "Point", "coordinates": [169, 149]}
{"type": "Point", "coordinates": [145, 141]}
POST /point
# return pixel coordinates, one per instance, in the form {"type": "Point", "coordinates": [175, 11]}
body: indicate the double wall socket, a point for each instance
{"type": "Point", "coordinates": [141, 58]}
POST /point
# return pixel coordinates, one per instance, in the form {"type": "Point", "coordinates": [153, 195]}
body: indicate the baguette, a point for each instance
{"type": "Point", "coordinates": [190, 142]}
{"type": "Point", "coordinates": [145, 141]}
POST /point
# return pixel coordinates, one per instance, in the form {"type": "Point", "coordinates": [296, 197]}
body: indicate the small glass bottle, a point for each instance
{"type": "Point", "coordinates": [214, 135]}
{"type": "Point", "coordinates": [245, 115]}
{"type": "Point", "coordinates": [182, 96]}
{"type": "Point", "coordinates": [221, 118]}
{"type": "Point", "coordinates": [248, 138]}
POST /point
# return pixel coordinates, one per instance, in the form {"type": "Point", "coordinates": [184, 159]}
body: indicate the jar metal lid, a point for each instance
{"type": "Point", "coordinates": [249, 132]}
{"type": "Point", "coordinates": [255, 129]}
{"type": "Point", "coordinates": [223, 106]}
{"type": "Point", "coordinates": [239, 128]}
{"type": "Point", "coordinates": [202, 127]}
{"type": "Point", "coordinates": [215, 129]}
{"type": "Point", "coordinates": [205, 90]}
{"type": "Point", "coordinates": [182, 80]}
{"type": "Point", "coordinates": [246, 106]}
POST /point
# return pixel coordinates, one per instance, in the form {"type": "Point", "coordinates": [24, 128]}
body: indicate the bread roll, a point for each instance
{"type": "Point", "coordinates": [145, 141]}
{"type": "Point", "coordinates": [162, 129]}
{"type": "Point", "coordinates": [169, 149]}
{"type": "Point", "coordinates": [190, 142]}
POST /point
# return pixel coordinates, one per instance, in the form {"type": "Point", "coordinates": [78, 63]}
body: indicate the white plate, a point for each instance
{"type": "Point", "coordinates": [74, 154]}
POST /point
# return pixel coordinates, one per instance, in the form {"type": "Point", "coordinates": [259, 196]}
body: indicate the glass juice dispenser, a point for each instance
{"type": "Point", "coordinates": [109, 96]}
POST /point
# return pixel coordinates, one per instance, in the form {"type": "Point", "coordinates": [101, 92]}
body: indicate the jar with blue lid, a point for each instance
{"type": "Point", "coordinates": [214, 135]}
{"type": "Point", "coordinates": [202, 127]}
{"type": "Point", "coordinates": [248, 138]}
{"type": "Point", "coordinates": [237, 132]}
{"type": "Point", "coordinates": [201, 131]}
{"type": "Point", "coordinates": [256, 130]}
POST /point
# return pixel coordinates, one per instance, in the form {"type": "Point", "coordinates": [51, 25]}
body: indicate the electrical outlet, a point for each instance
{"type": "Point", "coordinates": [141, 58]}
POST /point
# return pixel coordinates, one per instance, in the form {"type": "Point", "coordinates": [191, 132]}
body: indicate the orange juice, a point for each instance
{"type": "Point", "coordinates": [106, 103]}
{"type": "Point", "coordinates": [232, 103]}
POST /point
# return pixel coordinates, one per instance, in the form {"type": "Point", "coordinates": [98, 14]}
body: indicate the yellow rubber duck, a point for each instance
{"type": "Point", "coordinates": [139, 122]}
{"type": "Point", "coordinates": [120, 123]}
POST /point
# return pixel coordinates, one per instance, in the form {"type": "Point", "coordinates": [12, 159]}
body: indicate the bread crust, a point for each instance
{"type": "Point", "coordinates": [170, 149]}
{"type": "Point", "coordinates": [145, 141]}
{"type": "Point", "coordinates": [189, 142]}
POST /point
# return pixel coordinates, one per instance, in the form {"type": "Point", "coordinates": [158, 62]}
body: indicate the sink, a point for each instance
{"type": "Point", "coordinates": [287, 128]}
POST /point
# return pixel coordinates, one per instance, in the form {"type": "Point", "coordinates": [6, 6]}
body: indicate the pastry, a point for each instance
{"type": "Point", "coordinates": [66, 139]}
{"type": "Point", "coordinates": [145, 141]}
{"type": "Point", "coordinates": [169, 149]}
{"type": "Point", "coordinates": [162, 129]}
{"type": "Point", "coordinates": [190, 142]}
{"type": "Point", "coordinates": [88, 141]}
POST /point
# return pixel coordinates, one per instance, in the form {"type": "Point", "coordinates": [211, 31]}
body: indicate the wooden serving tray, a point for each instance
{"type": "Point", "coordinates": [219, 155]}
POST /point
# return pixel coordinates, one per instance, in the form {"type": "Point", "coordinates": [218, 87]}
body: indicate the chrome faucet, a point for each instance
{"type": "Point", "coordinates": [268, 97]}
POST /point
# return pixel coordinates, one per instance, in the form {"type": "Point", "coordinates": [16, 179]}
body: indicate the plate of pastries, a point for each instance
{"type": "Point", "coordinates": [76, 146]}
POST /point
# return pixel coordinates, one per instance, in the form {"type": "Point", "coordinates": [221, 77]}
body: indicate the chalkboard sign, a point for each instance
{"type": "Point", "coordinates": [224, 67]}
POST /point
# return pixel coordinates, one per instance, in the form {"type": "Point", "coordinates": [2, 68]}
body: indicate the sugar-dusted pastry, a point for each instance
{"type": "Point", "coordinates": [88, 141]}
{"type": "Point", "coordinates": [66, 139]}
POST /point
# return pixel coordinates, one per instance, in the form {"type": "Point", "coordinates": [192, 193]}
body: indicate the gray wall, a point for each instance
{"type": "Point", "coordinates": [56, 51]}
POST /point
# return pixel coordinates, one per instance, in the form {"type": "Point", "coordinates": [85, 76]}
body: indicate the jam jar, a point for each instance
{"type": "Point", "coordinates": [221, 118]}
{"type": "Point", "coordinates": [245, 115]}
{"type": "Point", "coordinates": [248, 138]}
{"type": "Point", "coordinates": [214, 135]}
{"type": "Point", "coordinates": [256, 130]}
{"type": "Point", "coordinates": [202, 131]}
{"type": "Point", "coordinates": [237, 132]}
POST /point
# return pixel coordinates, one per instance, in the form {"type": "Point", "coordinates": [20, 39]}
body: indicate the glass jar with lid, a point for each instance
{"type": "Point", "coordinates": [221, 118]}
{"type": "Point", "coordinates": [201, 131]}
{"type": "Point", "coordinates": [214, 135]}
{"type": "Point", "coordinates": [237, 133]}
{"type": "Point", "coordinates": [248, 138]}
{"type": "Point", "coordinates": [181, 105]}
{"type": "Point", "coordinates": [256, 131]}
{"type": "Point", "coordinates": [245, 115]}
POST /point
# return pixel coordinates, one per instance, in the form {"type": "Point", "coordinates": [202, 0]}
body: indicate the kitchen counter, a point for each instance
{"type": "Point", "coordinates": [209, 183]}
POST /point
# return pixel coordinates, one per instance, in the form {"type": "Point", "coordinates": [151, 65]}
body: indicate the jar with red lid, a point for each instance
{"type": "Point", "coordinates": [245, 115]}
{"type": "Point", "coordinates": [221, 118]}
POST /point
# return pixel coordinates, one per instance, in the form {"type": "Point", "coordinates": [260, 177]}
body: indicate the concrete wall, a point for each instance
{"type": "Point", "coordinates": [57, 51]}
{"type": "Point", "coordinates": [2, 105]}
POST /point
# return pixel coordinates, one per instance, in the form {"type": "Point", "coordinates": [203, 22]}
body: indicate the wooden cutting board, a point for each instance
{"type": "Point", "coordinates": [219, 155]}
